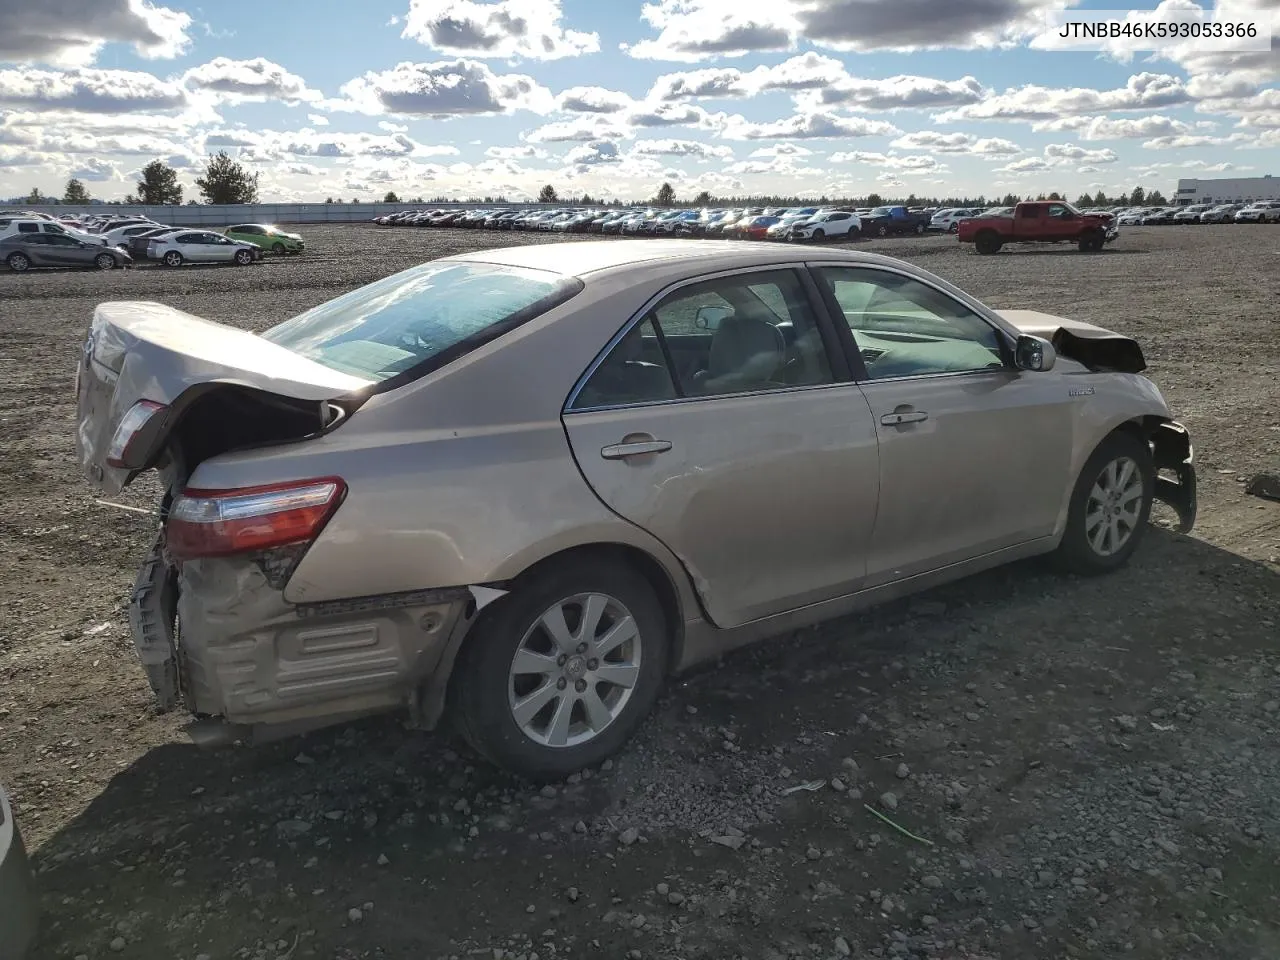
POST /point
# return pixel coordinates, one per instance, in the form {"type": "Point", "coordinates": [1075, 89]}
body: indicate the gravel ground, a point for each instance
{"type": "Point", "coordinates": [1088, 768]}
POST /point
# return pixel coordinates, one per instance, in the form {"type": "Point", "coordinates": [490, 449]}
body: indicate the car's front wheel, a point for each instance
{"type": "Point", "coordinates": [244, 257]}
{"type": "Point", "coordinates": [558, 674]}
{"type": "Point", "coordinates": [105, 261]}
{"type": "Point", "coordinates": [277, 248]}
{"type": "Point", "coordinates": [1110, 506]}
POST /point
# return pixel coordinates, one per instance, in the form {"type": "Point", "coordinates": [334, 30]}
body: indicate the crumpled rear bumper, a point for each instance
{"type": "Point", "coordinates": [220, 640]}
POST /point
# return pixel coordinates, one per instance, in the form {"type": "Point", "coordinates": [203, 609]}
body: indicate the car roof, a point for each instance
{"type": "Point", "coordinates": [651, 256]}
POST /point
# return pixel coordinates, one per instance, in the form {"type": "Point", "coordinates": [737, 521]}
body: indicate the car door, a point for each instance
{"type": "Point", "coordinates": [756, 467]}
{"type": "Point", "coordinates": [64, 250]}
{"type": "Point", "coordinates": [217, 247]}
{"type": "Point", "coordinates": [974, 453]}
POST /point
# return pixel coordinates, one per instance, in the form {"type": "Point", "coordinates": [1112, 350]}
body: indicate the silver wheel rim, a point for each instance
{"type": "Point", "coordinates": [18, 263]}
{"type": "Point", "coordinates": [172, 259]}
{"type": "Point", "coordinates": [105, 262]}
{"type": "Point", "coordinates": [575, 670]}
{"type": "Point", "coordinates": [1114, 507]}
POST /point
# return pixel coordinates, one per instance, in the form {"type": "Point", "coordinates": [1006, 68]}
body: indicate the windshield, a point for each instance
{"type": "Point", "coordinates": [434, 312]}
{"type": "Point", "coordinates": [880, 212]}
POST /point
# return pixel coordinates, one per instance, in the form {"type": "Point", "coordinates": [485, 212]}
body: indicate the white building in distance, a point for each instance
{"type": "Point", "coordinates": [1237, 190]}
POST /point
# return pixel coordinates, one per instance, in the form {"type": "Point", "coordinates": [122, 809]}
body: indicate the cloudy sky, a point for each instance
{"type": "Point", "coordinates": [353, 98]}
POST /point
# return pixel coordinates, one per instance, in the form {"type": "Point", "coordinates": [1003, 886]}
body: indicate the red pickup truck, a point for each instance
{"type": "Point", "coordinates": [1048, 222]}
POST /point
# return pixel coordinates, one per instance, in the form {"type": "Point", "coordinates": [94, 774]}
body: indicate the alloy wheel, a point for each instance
{"type": "Point", "coordinates": [575, 670]}
{"type": "Point", "coordinates": [1114, 507]}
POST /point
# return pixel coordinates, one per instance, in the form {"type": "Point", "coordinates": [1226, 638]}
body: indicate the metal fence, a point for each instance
{"type": "Point", "coordinates": [226, 214]}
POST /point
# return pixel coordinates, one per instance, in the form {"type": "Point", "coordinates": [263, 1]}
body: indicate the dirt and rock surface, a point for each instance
{"type": "Point", "coordinates": [1087, 768]}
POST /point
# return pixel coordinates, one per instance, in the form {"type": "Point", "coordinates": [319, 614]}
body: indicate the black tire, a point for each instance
{"type": "Point", "coordinates": [955, 226]}
{"type": "Point", "coordinates": [919, 229]}
{"type": "Point", "coordinates": [987, 242]}
{"type": "Point", "coordinates": [1091, 242]}
{"type": "Point", "coordinates": [172, 259]}
{"type": "Point", "coordinates": [819, 234]}
{"type": "Point", "coordinates": [244, 257]}
{"type": "Point", "coordinates": [482, 678]}
{"type": "Point", "coordinates": [1076, 554]}
{"type": "Point", "coordinates": [882, 231]}
{"type": "Point", "coordinates": [105, 261]}
{"type": "Point", "coordinates": [19, 262]}
{"type": "Point", "coordinates": [277, 248]}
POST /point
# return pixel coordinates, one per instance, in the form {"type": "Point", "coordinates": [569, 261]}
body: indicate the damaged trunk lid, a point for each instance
{"type": "Point", "coordinates": [145, 368]}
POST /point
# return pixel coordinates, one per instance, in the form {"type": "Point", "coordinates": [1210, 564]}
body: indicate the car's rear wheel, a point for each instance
{"type": "Point", "coordinates": [558, 674]}
{"type": "Point", "coordinates": [172, 259]}
{"type": "Point", "coordinates": [1110, 506]}
{"type": "Point", "coordinates": [19, 262]}
{"type": "Point", "coordinates": [105, 261]}
{"type": "Point", "coordinates": [244, 257]}
{"type": "Point", "coordinates": [882, 231]}
{"type": "Point", "coordinates": [987, 242]}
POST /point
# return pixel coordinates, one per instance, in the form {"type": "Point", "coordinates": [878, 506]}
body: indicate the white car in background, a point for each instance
{"type": "Point", "coordinates": [1263, 211]}
{"type": "Point", "coordinates": [825, 226]}
{"type": "Point", "coordinates": [948, 220]}
{"type": "Point", "coordinates": [201, 246]}
{"type": "Point", "coordinates": [120, 236]}
{"type": "Point", "coordinates": [19, 225]}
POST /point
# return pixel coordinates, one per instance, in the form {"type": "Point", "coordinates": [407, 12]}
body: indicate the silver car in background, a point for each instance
{"type": "Point", "coordinates": [531, 485]}
{"type": "Point", "coordinates": [201, 246]}
{"type": "Point", "coordinates": [18, 914]}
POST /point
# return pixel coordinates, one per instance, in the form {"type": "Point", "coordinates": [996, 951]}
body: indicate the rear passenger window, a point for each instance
{"type": "Point", "coordinates": [741, 334]}
{"type": "Point", "coordinates": [28, 228]}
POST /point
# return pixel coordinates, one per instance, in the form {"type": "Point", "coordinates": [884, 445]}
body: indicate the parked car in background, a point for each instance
{"type": "Point", "coordinates": [270, 238]}
{"type": "Point", "coordinates": [1158, 216]}
{"type": "Point", "coordinates": [1223, 213]}
{"type": "Point", "coordinates": [12, 226]}
{"type": "Point", "coordinates": [120, 236]}
{"type": "Point", "coordinates": [1190, 214]}
{"type": "Point", "coordinates": [19, 918]}
{"type": "Point", "coordinates": [1262, 211]}
{"type": "Point", "coordinates": [201, 246]}
{"type": "Point", "coordinates": [883, 221]}
{"type": "Point", "coordinates": [947, 220]}
{"type": "Point", "coordinates": [756, 227]}
{"type": "Point", "coordinates": [782, 229]}
{"type": "Point", "coordinates": [1040, 222]}
{"type": "Point", "coordinates": [139, 244]}
{"type": "Point", "coordinates": [23, 251]}
{"type": "Point", "coordinates": [831, 225]}
{"type": "Point", "coordinates": [331, 549]}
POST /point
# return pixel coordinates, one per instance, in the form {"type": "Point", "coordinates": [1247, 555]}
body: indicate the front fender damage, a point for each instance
{"type": "Point", "coordinates": [1171, 450]}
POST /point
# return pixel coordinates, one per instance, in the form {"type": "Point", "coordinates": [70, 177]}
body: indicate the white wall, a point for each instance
{"type": "Point", "coordinates": [224, 215]}
{"type": "Point", "coordinates": [1227, 190]}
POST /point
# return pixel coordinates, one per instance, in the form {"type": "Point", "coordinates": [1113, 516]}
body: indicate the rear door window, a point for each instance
{"type": "Point", "coordinates": [28, 228]}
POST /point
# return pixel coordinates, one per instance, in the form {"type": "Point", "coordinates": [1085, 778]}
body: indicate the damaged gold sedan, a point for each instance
{"type": "Point", "coordinates": [527, 485]}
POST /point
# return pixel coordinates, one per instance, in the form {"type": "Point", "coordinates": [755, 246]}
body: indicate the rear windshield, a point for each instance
{"type": "Point", "coordinates": [421, 318]}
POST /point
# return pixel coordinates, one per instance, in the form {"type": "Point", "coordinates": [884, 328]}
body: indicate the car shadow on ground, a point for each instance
{"type": "Point", "coordinates": [1064, 249]}
{"type": "Point", "coordinates": [373, 831]}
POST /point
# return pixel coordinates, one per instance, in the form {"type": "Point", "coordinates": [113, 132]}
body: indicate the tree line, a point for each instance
{"type": "Point", "coordinates": [226, 181]}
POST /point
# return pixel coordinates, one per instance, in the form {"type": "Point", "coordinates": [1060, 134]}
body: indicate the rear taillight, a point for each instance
{"type": "Point", "coordinates": [127, 447]}
{"type": "Point", "coordinates": [219, 523]}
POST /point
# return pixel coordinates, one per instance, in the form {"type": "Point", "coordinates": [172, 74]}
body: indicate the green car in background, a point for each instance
{"type": "Point", "coordinates": [270, 239]}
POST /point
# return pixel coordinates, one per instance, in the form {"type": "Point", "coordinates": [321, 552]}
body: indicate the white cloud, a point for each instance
{"type": "Point", "coordinates": [280, 144]}
{"type": "Point", "coordinates": [499, 28]}
{"type": "Point", "coordinates": [446, 89]}
{"type": "Point", "coordinates": [1025, 165]}
{"type": "Point", "coordinates": [1143, 91]}
{"type": "Point", "coordinates": [88, 90]}
{"type": "Point", "coordinates": [900, 93]}
{"type": "Point", "coordinates": [73, 32]}
{"type": "Point", "coordinates": [317, 120]}
{"type": "Point", "coordinates": [806, 126]}
{"type": "Point", "coordinates": [390, 127]}
{"type": "Point", "coordinates": [592, 100]}
{"type": "Point", "coordinates": [95, 169]}
{"type": "Point", "coordinates": [593, 154]}
{"type": "Point", "coordinates": [242, 80]}
{"type": "Point", "coordinates": [682, 148]}
{"type": "Point", "coordinates": [1070, 152]}
{"type": "Point", "coordinates": [694, 30]}
{"type": "Point", "coordinates": [893, 161]}
{"type": "Point", "coordinates": [957, 143]}
{"type": "Point", "coordinates": [516, 153]}
{"type": "Point", "coordinates": [1187, 141]}
{"type": "Point", "coordinates": [582, 129]}
{"type": "Point", "coordinates": [780, 150]}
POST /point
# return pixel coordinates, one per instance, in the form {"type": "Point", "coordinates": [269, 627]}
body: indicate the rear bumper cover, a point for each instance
{"type": "Point", "coordinates": [222, 642]}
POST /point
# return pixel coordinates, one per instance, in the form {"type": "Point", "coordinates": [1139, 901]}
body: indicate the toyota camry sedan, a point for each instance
{"type": "Point", "coordinates": [522, 490]}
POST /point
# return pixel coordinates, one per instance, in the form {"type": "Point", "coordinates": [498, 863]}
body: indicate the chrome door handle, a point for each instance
{"type": "Point", "coordinates": [897, 419]}
{"type": "Point", "coordinates": [620, 451]}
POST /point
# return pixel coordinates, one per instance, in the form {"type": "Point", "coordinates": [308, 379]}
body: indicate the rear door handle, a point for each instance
{"type": "Point", "coordinates": [637, 448]}
{"type": "Point", "coordinates": [898, 419]}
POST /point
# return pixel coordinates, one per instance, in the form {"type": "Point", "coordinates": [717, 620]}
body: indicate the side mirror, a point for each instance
{"type": "Point", "coordinates": [1035, 354]}
{"type": "Point", "coordinates": [708, 318]}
